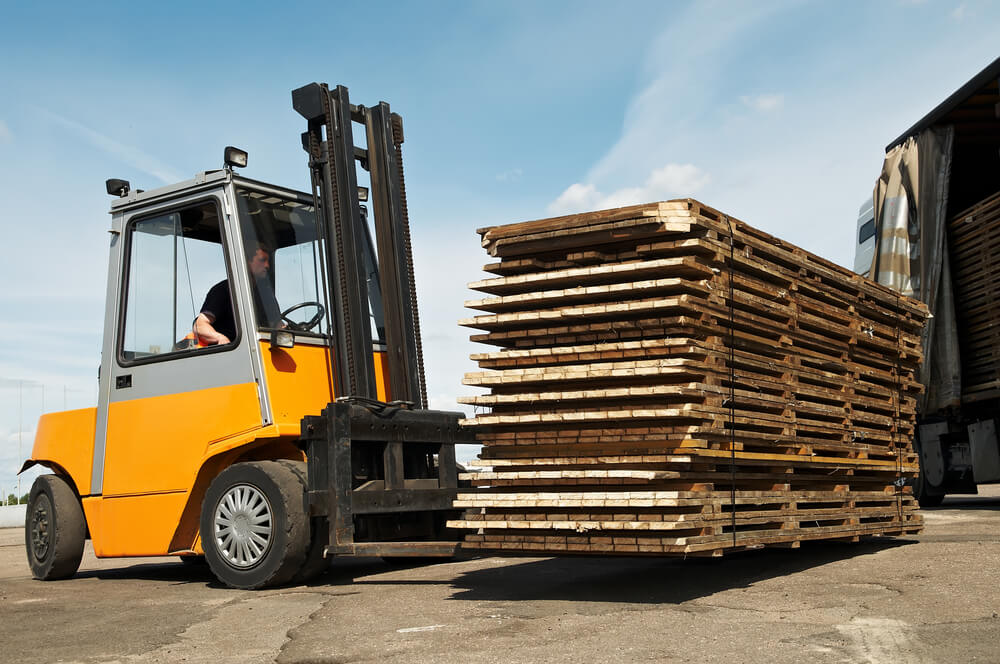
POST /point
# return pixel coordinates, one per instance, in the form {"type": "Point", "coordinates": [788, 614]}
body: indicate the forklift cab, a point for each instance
{"type": "Point", "coordinates": [165, 401]}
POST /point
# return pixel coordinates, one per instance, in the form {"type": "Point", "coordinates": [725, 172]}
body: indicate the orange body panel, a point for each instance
{"type": "Point", "coordinates": [157, 444]}
{"type": "Point", "coordinates": [66, 440]}
{"type": "Point", "coordinates": [381, 376]}
{"type": "Point", "coordinates": [299, 382]}
{"type": "Point", "coordinates": [134, 525]}
{"type": "Point", "coordinates": [163, 452]}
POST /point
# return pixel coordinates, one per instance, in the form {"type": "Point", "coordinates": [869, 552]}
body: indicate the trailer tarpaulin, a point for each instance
{"type": "Point", "coordinates": [911, 253]}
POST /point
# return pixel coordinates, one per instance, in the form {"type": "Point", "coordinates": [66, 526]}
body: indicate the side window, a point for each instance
{"type": "Point", "coordinates": [866, 231]}
{"type": "Point", "coordinates": [174, 260]}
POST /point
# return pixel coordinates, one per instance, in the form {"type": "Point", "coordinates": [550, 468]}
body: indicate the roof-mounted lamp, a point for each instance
{"type": "Point", "coordinates": [235, 158]}
{"type": "Point", "coordinates": [116, 187]}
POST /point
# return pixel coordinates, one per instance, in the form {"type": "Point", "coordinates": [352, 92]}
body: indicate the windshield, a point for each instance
{"type": "Point", "coordinates": [284, 253]}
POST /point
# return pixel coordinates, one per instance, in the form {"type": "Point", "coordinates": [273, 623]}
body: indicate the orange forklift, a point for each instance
{"type": "Point", "coordinates": [305, 434]}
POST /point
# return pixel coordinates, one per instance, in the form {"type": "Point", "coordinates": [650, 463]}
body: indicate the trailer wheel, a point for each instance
{"type": "Point", "coordinates": [921, 490]}
{"type": "Point", "coordinates": [926, 494]}
{"type": "Point", "coordinates": [54, 529]}
{"type": "Point", "coordinates": [254, 527]}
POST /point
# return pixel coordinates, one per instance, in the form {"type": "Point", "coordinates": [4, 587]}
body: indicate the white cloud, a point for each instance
{"type": "Point", "coordinates": [128, 154]}
{"type": "Point", "coordinates": [670, 181]}
{"type": "Point", "coordinates": [764, 102]}
{"type": "Point", "coordinates": [576, 197]}
{"type": "Point", "coordinates": [510, 176]}
{"type": "Point", "coordinates": [960, 12]}
{"type": "Point", "coordinates": [5, 135]}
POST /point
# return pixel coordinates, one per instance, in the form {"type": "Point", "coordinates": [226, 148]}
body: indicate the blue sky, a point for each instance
{"type": "Point", "coordinates": [775, 112]}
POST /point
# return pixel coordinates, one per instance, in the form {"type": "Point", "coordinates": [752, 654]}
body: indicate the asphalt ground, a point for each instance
{"type": "Point", "coordinates": [929, 598]}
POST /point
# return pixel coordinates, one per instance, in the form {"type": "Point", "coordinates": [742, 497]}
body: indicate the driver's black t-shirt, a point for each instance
{"type": "Point", "coordinates": [219, 306]}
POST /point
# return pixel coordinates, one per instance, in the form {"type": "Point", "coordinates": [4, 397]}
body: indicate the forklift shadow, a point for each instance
{"type": "Point", "coordinates": [341, 572]}
{"type": "Point", "coordinates": [640, 580]}
{"type": "Point", "coordinates": [168, 572]}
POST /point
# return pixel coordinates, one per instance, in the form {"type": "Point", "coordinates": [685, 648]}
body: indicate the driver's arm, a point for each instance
{"type": "Point", "coordinates": [208, 334]}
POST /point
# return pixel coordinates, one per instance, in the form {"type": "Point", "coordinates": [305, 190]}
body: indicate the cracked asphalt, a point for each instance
{"type": "Point", "coordinates": [930, 598]}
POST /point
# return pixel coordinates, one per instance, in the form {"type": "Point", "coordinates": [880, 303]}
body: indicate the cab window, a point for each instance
{"type": "Point", "coordinates": [286, 230]}
{"type": "Point", "coordinates": [173, 260]}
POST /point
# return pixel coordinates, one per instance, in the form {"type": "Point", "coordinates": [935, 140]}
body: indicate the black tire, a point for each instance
{"type": "Point", "coordinates": [258, 495]}
{"type": "Point", "coordinates": [316, 562]}
{"type": "Point", "coordinates": [922, 490]}
{"type": "Point", "coordinates": [319, 534]}
{"type": "Point", "coordinates": [54, 529]}
{"type": "Point", "coordinates": [924, 498]}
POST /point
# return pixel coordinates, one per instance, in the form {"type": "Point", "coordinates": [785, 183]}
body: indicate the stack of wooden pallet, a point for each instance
{"type": "Point", "coordinates": [974, 242]}
{"type": "Point", "coordinates": [668, 380]}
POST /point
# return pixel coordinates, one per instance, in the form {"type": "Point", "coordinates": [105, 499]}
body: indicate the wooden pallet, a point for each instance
{"type": "Point", "coordinates": [974, 243]}
{"type": "Point", "coordinates": [665, 370]}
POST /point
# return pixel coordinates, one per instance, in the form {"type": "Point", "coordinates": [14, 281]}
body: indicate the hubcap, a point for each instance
{"type": "Point", "coordinates": [40, 528]}
{"type": "Point", "coordinates": [243, 526]}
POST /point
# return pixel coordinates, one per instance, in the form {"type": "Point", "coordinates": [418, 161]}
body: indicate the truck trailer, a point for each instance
{"type": "Point", "coordinates": [932, 231]}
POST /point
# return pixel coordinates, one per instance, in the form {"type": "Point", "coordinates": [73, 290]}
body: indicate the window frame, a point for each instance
{"type": "Point", "coordinates": [124, 284]}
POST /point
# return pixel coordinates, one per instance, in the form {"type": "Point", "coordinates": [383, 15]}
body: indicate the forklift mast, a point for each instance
{"type": "Point", "coordinates": [382, 475]}
{"type": "Point", "coordinates": [333, 162]}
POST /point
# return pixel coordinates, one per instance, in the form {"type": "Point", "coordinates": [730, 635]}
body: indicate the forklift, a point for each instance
{"type": "Point", "coordinates": [303, 435]}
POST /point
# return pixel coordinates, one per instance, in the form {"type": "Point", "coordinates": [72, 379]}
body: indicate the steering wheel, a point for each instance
{"type": "Point", "coordinates": [307, 325]}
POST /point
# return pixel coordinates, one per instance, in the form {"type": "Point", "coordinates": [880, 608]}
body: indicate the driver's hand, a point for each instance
{"type": "Point", "coordinates": [222, 340]}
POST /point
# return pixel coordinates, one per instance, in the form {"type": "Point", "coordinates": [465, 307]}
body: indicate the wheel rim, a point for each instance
{"type": "Point", "coordinates": [40, 528]}
{"type": "Point", "coordinates": [243, 526]}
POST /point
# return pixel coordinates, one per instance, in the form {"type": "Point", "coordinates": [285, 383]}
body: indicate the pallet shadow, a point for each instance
{"type": "Point", "coordinates": [649, 580]}
{"type": "Point", "coordinates": [966, 503]}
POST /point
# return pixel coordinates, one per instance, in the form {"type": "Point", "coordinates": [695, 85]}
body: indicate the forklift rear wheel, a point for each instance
{"type": "Point", "coordinates": [54, 529]}
{"type": "Point", "coordinates": [254, 525]}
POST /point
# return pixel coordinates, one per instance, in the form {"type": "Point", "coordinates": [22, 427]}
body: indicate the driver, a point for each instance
{"type": "Point", "coordinates": [215, 325]}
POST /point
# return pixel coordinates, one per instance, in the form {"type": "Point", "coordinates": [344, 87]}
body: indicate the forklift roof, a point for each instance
{"type": "Point", "coordinates": [204, 180]}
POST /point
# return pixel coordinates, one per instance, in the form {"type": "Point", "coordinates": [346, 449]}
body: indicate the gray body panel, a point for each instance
{"type": "Point", "coordinates": [985, 451]}
{"type": "Point", "coordinates": [238, 365]}
{"type": "Point", "coordinates": [930, 451]}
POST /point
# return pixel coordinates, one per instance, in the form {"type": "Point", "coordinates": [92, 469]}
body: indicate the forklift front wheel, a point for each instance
{"type": "Point", "coordinates": [254, 525]}
{"type": "Point", "coordinates": [54, 529]}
